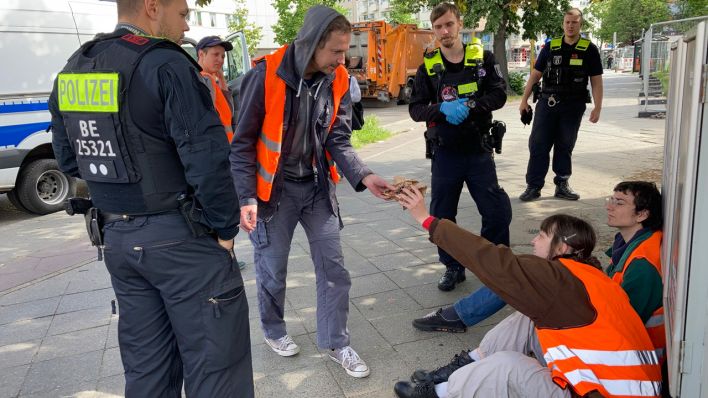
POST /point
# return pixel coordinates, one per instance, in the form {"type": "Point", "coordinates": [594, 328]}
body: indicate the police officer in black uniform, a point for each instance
{"type": "Point", "coordinates": [566, 64]}
{"type": "Point", "coordinates": [455, 92]}
{"type": "Point", "coordinates": [132, 117]}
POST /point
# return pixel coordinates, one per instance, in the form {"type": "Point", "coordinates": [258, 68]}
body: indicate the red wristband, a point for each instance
{"type": "Point", "coordinates": [427, 222]}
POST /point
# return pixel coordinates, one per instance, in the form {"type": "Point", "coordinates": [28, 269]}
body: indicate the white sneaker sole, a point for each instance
{"type": "Point", "coordinates": [284, 353]}
{"type": "Point", "coordinates": [351, 373]}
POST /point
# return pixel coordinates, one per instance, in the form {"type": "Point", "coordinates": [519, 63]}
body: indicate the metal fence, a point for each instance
{"type": "Point", "coordinates": [653, 58]}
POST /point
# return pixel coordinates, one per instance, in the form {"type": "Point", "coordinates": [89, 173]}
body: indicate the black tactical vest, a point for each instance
{"type": "Point", "coordinates": [129, 165]}
{"type": "Point", "coordinates": [450, 86]}
{"type": "Point", "coordinates": [565, 74]}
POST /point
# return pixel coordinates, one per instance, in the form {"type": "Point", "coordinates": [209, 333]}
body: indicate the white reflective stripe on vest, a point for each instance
{"type": "Point", "coordinates": [654, 321]}
{"type": "Point", "coordinates": [635, 388]}
{"type": "Point", "coordinates": [598, 357]}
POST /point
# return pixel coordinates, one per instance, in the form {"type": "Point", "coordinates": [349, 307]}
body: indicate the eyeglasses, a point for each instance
{"type": "Point", "coordinates": [614, 202]}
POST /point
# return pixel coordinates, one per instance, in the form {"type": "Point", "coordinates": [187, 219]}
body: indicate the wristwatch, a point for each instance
{"type": "Point", "coordinates": [471, 103]}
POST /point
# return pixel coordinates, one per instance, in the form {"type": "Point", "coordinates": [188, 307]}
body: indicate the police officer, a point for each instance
{"type": "Point", "coordinates": [132, 116]}
{"type": "Point", "coordinates": [565, 65]}
{"type": "Point", "coordinates": [455, 92]}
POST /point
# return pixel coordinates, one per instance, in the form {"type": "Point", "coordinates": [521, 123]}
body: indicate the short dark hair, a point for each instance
{"type": "Point", "coordinates": [577, 233]}
{"type": "Point", "coordinates": [646, 197]}
{"type": "Point", "coordinates": [442, 9]}
{"type": "Point", "coordinates": [339, 24]}
{"type": "Point", "coordinates": [575, 11]}
{"type": "Point", "coordinates": [130, 7]}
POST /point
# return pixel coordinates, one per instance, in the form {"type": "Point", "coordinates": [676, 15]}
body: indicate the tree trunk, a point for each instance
{"type": "Point", "coordinates": [500, 50]}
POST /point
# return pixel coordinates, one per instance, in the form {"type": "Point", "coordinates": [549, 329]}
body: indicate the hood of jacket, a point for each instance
{"type": "Point", "coordinates": [301, 51]}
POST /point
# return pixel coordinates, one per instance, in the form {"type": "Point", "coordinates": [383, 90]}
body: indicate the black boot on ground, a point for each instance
{"type": "Point", "coordinates": [564, 191]}
{"type": "Point", "coordinates": [434, 322]}
{"type": "Point", "coordinates": [441, 374]}
{"type": "Point", "coordinates": [405, 389]}
{"type": "Point", "coordinates": [451, 277]}
{"type": "Point", "coordinates": [530, 194]}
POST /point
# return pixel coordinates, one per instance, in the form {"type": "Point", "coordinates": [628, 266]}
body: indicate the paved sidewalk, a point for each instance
{"type": "Point", "coordinates": [58, 336]}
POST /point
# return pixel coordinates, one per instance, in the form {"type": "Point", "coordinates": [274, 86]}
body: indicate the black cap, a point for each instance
{"type": "Point", "coordinates": [211, 41]}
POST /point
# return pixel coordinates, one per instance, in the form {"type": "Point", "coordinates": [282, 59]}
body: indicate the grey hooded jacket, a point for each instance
{"type": "Point", "coordinates": [298, 128]}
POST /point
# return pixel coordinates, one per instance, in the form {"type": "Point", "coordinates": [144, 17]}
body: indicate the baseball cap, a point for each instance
{"type": "Point", "coordinates": [211, 41]}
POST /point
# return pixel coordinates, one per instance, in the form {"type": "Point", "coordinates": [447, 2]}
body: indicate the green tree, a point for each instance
{"type": "Point", "coordinates": [691, 8]}
{"type": "Point", "coordinates": [239, 23]}
{"type": "Point", "coordinates": [400, 13]}
{"type": "Point", "coordinates": [506, 17]}
{"type": "Point", "coordinates": [291, 15]}
{"type": "Point", "coordinates": [622, 17]}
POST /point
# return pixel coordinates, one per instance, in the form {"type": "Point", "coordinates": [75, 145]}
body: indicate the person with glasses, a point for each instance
{"type": "Point", "coordinates": [575, 333]}
{"type": "Point", "coordinates": [635, 209]}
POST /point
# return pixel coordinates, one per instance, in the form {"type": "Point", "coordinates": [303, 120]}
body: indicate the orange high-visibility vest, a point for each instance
{"type": "Point", "coordinates": [222, 106]}
{"type": "Point", "coordinates": [650, 250]}
{"type": "Point", "coordinates": [270, 139]}
{"type": "Point", "coordinates": [613, 355]}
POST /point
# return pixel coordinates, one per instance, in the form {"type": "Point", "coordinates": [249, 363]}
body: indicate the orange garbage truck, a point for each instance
{"type": "Point", "coordinates": [384, 58]}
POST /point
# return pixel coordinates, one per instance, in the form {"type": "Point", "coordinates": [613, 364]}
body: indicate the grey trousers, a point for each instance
{"type": "Point", "coordinates": [506, 369]}
{"type": "Point", "coordinates": [302, 203]}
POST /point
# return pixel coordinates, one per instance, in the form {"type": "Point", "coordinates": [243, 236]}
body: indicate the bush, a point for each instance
{"type": "Point", "coordinates": [370, 132]}
{"type": "Point", "coordinates": [517, 81]}
{"type": "Point", "coordinates": [663, 77]}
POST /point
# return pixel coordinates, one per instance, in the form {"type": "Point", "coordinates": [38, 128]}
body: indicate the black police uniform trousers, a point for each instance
{"type": "Point", "coordinates": [450, 169]}
{"type": "Point", "coordinates": [553, 127]}
{"type": "Point", "coordinates": [183, 310]}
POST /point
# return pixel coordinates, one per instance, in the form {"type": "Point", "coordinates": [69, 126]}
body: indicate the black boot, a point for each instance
{"type": "Point", "coordinates": [434, 322]}
{"type": "Point", "coordinates": [530, 194]}
{"type": "Point", "coordinates": [441, 374]}
{"type": "Point", "coordinates": [405, 389]}
{"type": "Point", "coordinates": [563, 191]}
{"type": "Point", "coordinates": [452, 276]}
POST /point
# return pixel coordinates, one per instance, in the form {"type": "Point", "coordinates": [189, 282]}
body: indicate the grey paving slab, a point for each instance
{"type": "Point", "coordinates": [60, 373]}
{"type": "Point", "coordinates": [17, 354]}
{"type": "Point", "coordinates": [429, 296]}
{"type": "Point", "coordinates": [78, 390]}
{"type": "Point", "coordinates": [69, 344]}
{"type": "Point", "coordinates": [304, 382]}
{"type": "Point", "coordinates": [112, 339]}
{"type": "Point", "coordinates": [416, 275]}
{"type": "Point", "coordinates": [79, 320]}
{"type": "Point", "coordinates": [110, 387]}
{"type": "Point", "coordinates": [22, 331]}
{"type": "Point", "coordinates": [385, 304]}
{"type": "Point", "coordinates": [397, 329]}
{"type": "Point", "coordinates": [393, 261]}
{"type": "Point", "coordinates": [111, 364]}
{"type": "Point", "coordinates": [53, 287]}
{"type": "Point", "coordinates": [370, 284]}
{"type": "Point", "coordinates": [11, 380]}
{"type": "Point", "coordinates": [23, 311]}
{"type": "Point", "coordinates": [100, 298]}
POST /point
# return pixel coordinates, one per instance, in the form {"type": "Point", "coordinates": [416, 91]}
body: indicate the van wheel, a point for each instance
{"type": "Point", "coordinates": [12, 196]}
{"type": "Point", "coordinates": [42, 188]}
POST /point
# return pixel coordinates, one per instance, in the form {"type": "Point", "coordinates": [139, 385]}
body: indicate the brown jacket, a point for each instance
{"type": "Point", "coordinates": [545, 291]}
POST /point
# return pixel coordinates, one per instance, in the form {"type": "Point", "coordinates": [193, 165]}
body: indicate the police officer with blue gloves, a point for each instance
{"type": "Point", "coordinates": [565, 64]}
{"type": "Point", "coordinates": [132, 116]}
{"type": "Point", "coordinates": [454, 93]}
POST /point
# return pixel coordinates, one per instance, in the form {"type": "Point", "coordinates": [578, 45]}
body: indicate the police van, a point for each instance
{"type": "Point", "coordinates": [37, 37]}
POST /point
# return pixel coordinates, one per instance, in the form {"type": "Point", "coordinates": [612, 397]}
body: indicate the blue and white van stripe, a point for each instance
{"type": "Point", "coordinates": [20, 119]}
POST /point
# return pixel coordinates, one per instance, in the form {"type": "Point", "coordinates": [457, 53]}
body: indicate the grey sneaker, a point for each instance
{"type": "Point", "coordinates": [284, 346]}
{"type": "Point", "coordinates": [350, 361]}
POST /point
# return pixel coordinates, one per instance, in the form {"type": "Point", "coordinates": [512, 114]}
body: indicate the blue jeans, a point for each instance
{"type": "Point", "coordinates": [478, 306]}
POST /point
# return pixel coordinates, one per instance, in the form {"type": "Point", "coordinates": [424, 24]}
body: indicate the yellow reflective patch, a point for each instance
{"type": "Point", "coordinates": [576, 62]}
{"type": "Point", "coordinates": [467, 88]}
{"type": "Point", "coordinates": [88, 92]}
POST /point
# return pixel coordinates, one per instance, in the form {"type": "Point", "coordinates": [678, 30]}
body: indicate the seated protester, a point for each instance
{"type": "Point", "coordinates": [635, 210]}
{"type": "Point", "coordinates": [587, 339]}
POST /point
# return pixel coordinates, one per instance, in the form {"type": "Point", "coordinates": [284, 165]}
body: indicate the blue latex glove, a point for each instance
{"type": "Point", "coordinates": [455, 111]}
